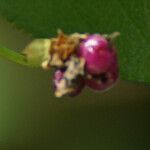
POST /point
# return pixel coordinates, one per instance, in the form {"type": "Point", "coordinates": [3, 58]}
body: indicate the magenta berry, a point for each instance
{"type": "Point", "coordinates": [102, 82]}
{"type": "Point", "coordinates": [105, 80]}
{"type": "Point", "coordinates": [96, 50]}
{"type": "Point", "coordinates": [101, 62]}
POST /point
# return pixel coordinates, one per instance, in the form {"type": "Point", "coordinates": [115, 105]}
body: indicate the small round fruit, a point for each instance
{"type": "Point", "coordinates": [103, 81]}
{"type": "Point", "coordinates": [98, 54]}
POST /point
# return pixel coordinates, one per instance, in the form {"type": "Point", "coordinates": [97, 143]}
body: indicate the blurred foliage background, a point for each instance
{"type": "Point", "coordinates": [31, 118]}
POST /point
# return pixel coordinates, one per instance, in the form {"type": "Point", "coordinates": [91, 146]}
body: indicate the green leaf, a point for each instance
{"type": "Point", "coordinates": [129, 17]}
{"type": "Point", "coordinates": [15, 57]}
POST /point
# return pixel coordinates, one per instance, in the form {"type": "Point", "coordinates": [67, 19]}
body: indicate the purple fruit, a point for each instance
{"type": "Point", "coordinates": [98, 54]}
{"type": "Point", "coordinates": [105, 80]}
{"type": "Point", "coordinates": [101, 62]}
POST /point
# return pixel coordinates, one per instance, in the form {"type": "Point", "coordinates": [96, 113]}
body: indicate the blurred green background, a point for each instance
{"type": "Point", "coordinates": [31, 118]}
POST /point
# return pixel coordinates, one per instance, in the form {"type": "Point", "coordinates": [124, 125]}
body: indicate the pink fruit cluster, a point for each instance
{"type": "Point", "coordinates": [101, 66]}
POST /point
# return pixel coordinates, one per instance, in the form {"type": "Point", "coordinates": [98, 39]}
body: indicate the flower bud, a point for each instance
{"type": "Point", "coordinates": [37, 52]}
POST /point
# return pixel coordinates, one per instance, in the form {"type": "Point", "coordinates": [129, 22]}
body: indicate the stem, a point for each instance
{"type": "Point", "coordinates": [14, 56]}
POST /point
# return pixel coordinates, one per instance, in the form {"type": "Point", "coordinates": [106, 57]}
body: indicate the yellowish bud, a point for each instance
{"type": "Point", "coordinates": [37, 51]}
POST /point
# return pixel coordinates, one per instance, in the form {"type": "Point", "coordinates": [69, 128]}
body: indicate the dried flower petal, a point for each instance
{"type": "Point", "coordinates": [63, 47]}
{"type": "Point", "coordinates": [67, 83]}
